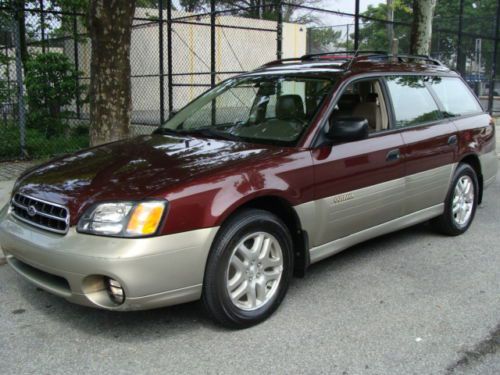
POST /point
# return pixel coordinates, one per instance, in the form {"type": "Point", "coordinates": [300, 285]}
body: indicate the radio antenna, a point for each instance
{"type": "Point", "coordinates": [352, 60]}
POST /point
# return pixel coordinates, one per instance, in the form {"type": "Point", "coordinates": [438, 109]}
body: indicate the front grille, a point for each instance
{"type": "Point", "coordinates": [41, 214]}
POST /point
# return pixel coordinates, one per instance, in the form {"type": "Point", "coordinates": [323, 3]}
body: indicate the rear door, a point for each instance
{"type": "Point", "coordinates": [430, 140]}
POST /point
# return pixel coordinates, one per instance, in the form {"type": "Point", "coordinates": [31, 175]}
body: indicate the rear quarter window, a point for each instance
{"type": "Point", "coordinates": [412, 101]}
{"type": "Point", "coordinates": [455, 96]}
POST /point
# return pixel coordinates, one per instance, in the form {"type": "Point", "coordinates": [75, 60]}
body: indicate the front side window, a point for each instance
{"type": "Point", "coordinates": [455, 96]}
{"type": "Point", "coordinates": [412, 102]}
{"type": "Point", "coordinates": [268, 109]}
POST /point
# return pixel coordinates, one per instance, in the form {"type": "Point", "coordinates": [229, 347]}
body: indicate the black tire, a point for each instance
{"type": "Point", "coordinates": [446, 223]}
{"type": "Point", "coordinates": [215, 296]}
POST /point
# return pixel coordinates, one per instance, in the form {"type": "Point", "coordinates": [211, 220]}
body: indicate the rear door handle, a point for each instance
{"type": "Point", "coordinates": [452, 140]}
{"type": "Point", "coordinates": [393, 155]}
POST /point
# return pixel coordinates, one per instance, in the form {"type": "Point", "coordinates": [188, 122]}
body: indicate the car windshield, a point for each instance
{"type": "Point", "coordinates": [261, 109]}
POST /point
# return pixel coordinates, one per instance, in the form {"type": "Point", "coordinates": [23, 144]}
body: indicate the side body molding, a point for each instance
{"type": "Point", "coordinates": [343, 220]}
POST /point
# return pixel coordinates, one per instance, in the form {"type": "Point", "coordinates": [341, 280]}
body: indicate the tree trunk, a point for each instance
{"type": "Point", "coordinates": [421, 31]}
{"type": "Point", "coordinates": [110, 29]}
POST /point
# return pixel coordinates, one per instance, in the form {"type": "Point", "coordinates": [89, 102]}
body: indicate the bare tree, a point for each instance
{"type": "Point", "coordinates": [421, 31]}
{"type": "Point", "coordinates": [110, 29]}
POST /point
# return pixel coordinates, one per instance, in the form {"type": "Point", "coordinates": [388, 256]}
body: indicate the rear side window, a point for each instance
{"type": "Point", "coordinates": [455, 96]}
{"type": "Point", "coordinates": [412, 101]}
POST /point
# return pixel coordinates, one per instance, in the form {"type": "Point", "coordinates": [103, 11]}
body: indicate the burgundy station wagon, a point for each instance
{"type": "Point", "coordinates": [259, 177]}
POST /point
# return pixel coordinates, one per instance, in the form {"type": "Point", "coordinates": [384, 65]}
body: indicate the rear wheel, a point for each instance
{"type": "Point", "coordinates": [248, 270]}
{"type": "Point", "coordinates": [461, 202]}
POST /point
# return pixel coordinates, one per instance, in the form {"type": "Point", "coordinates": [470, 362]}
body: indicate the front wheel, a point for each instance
{"type": "Point", "coordinates": [461, 202]}
{"type": "Point", "coordinates": [248, 270]}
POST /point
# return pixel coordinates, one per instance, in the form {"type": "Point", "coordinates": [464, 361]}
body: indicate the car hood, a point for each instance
{"type": "Point", "coordinates": [132, 169]}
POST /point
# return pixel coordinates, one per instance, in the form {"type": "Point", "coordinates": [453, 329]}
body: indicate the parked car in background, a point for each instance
{"type": "Point", "coordinates": [253, 181]}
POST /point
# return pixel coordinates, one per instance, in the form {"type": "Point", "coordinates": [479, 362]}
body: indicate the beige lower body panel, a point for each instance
{"type": "Point", "coordinates": [428, 188]}
{"type": "Point", "coordinates": [154, 272]}
{"type": "Point", "coordinates": [320, 252]}
{"type": "Point", "coordinates": [337, 222]}
{"type": "Point", "coordinates": [489, 167]}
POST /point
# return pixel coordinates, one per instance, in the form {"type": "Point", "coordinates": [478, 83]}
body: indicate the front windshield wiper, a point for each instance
{"type": "Point", "coordinates": [163, 131]}
{"type": "Point", "coordinates": [210, 133]}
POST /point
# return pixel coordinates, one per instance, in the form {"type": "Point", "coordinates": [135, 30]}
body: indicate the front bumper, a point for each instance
{"type": "Point", "coordinates": [154, 272]}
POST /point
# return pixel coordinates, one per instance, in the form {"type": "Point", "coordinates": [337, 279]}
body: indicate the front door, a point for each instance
{"type": "Point", "coordinates": [359, 184]}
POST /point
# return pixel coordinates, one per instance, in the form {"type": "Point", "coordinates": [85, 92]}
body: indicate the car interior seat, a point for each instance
{"type": "Point", "coordinates": [369, 106]}
{"type": "Point", "coordinates": [290, 107]}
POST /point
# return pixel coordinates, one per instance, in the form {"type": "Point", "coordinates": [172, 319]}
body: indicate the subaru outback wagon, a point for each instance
{"type": "Point", "coordinates": [254, 180]}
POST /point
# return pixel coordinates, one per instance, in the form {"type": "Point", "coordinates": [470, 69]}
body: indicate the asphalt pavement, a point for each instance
{"type": "Point", "coordinates": [412, 302]}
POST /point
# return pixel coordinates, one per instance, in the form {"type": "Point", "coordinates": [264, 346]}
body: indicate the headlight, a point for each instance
{"type": "Point", "coordinates": [123, 219]}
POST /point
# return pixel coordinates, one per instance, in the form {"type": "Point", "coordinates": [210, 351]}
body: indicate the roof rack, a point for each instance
{"type": "Point", "coordinates": [407, 58]}
{"type": "Point", "coordinates": [350, 57]}
{"type": "Point", "coordinates": [342, 54]}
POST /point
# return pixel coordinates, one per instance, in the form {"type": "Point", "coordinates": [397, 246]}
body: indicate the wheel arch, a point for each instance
{"type": "Point", "coordinates": [473, 161]}
{"type": "Point", "coordinates": [284, 210]}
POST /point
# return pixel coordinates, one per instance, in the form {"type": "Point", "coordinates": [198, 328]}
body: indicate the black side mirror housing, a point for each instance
{"type": "Point", "coordinates": [346, 129]}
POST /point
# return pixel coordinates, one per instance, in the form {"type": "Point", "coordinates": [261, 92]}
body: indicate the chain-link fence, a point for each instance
{"type": "Point", "coordinates": [176, 55]}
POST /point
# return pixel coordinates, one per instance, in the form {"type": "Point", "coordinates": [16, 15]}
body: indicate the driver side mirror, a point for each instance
{"type": "Point", "coordinates": [346, 129]}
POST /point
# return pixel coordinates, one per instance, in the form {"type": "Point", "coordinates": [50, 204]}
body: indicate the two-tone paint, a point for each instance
{"type": "Point", "coordinates": [330, 196]}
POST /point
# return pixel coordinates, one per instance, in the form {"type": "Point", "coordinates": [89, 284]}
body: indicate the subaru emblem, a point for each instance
{"type": "Point", "coordinates": [31, 211]}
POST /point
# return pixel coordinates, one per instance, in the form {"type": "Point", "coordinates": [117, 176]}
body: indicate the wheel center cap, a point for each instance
{"type": "Point", "coordinates": [253, 270]}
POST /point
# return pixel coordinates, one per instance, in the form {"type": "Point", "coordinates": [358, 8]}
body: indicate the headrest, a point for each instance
{"type": "Point", "coordinates": [289, 107]}
{"type": "Point", "coordinates": [364, 88]}
{"type": "Point", "coordinates": [348, 101]}
{"type": "Point", "coordinates": [371, 98]}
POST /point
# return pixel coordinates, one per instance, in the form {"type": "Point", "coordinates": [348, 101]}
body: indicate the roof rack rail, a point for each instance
{"type": "Point", "coordinates": [343, 55]}
{"type": "Point", "coordinates": [350, 57]}
{"type": "Point", "coordinates": [418, 57]}
{"type": "Point", "coordinates": [347, 54]}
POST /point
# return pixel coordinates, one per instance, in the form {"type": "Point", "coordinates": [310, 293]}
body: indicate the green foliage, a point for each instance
{"type": "Point", "coordinates": [37, 146]}
{"type": "Point", "coordinates": [250, 8]}
{"type": "Point", "coordinates": [478, 18]}
{"type": "Point", "coordinates": [7, 88]}
{"type": "Point", "coordinates": [323, 39]}
{"type": "Point", "coordinates": [51, 83]}
{"type": "Point", "coordinates": [373, 35]}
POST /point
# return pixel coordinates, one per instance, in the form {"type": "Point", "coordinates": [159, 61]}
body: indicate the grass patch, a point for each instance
{"type": "Point", "coordinates": [38, 146]}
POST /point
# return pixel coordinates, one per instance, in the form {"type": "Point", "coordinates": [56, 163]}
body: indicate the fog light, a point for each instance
{"type": "Point", "coordinates": [115, 290]}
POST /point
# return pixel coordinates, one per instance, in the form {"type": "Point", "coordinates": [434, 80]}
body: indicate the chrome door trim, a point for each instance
{"type": "Point", "coordinates": [321, 252]}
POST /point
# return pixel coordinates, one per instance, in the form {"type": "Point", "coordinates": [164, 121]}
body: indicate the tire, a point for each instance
{"type": "Point", "coordinates": [236, 264]}
{"type": "Point", "coordinates": [450, 222]}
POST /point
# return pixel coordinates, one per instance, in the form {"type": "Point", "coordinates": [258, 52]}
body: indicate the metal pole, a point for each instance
{"type": "Point", "coordinates": [169, 57]}
{"type": "Point", "coordinates": [494, 63]}
{"type": "Point", "coordinates": [20, 87]}
{"type": "Point", "coordinates": [390, 24]}
{"type": "Point", "coordinates": [279, 30]}
{"type": "Point", "coordinates": [356, 26]}
{"type": "Point", "coordinates": [460, 61]}
{"type": "Point", "coordinates": [42, 26]}
{"type": "Point", "coordinates": [162, 72]}
{"type": "Point", "coordinates": [212, 43]}
{"type": "Point", "coordinates": [77, 65]}
{"type": "Point", "coordinates": [347, 41]}
{"type": "Point", "coordinates": [212, 58]}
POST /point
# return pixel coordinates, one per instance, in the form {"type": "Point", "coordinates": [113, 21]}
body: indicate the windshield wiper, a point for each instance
{"type": "Point", "coordinates": [162, 130]}
{"type": "Point", "coordinates": [210, 133]}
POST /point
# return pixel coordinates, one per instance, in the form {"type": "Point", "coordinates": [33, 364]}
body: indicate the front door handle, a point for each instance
{"type": "Point", "coordinates": [452, 140]}
{"type": "Point", "coordinates": [393, 155]}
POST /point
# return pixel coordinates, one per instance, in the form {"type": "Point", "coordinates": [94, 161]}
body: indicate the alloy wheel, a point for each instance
{"type": "Point", "coordinates": [254, 271]}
